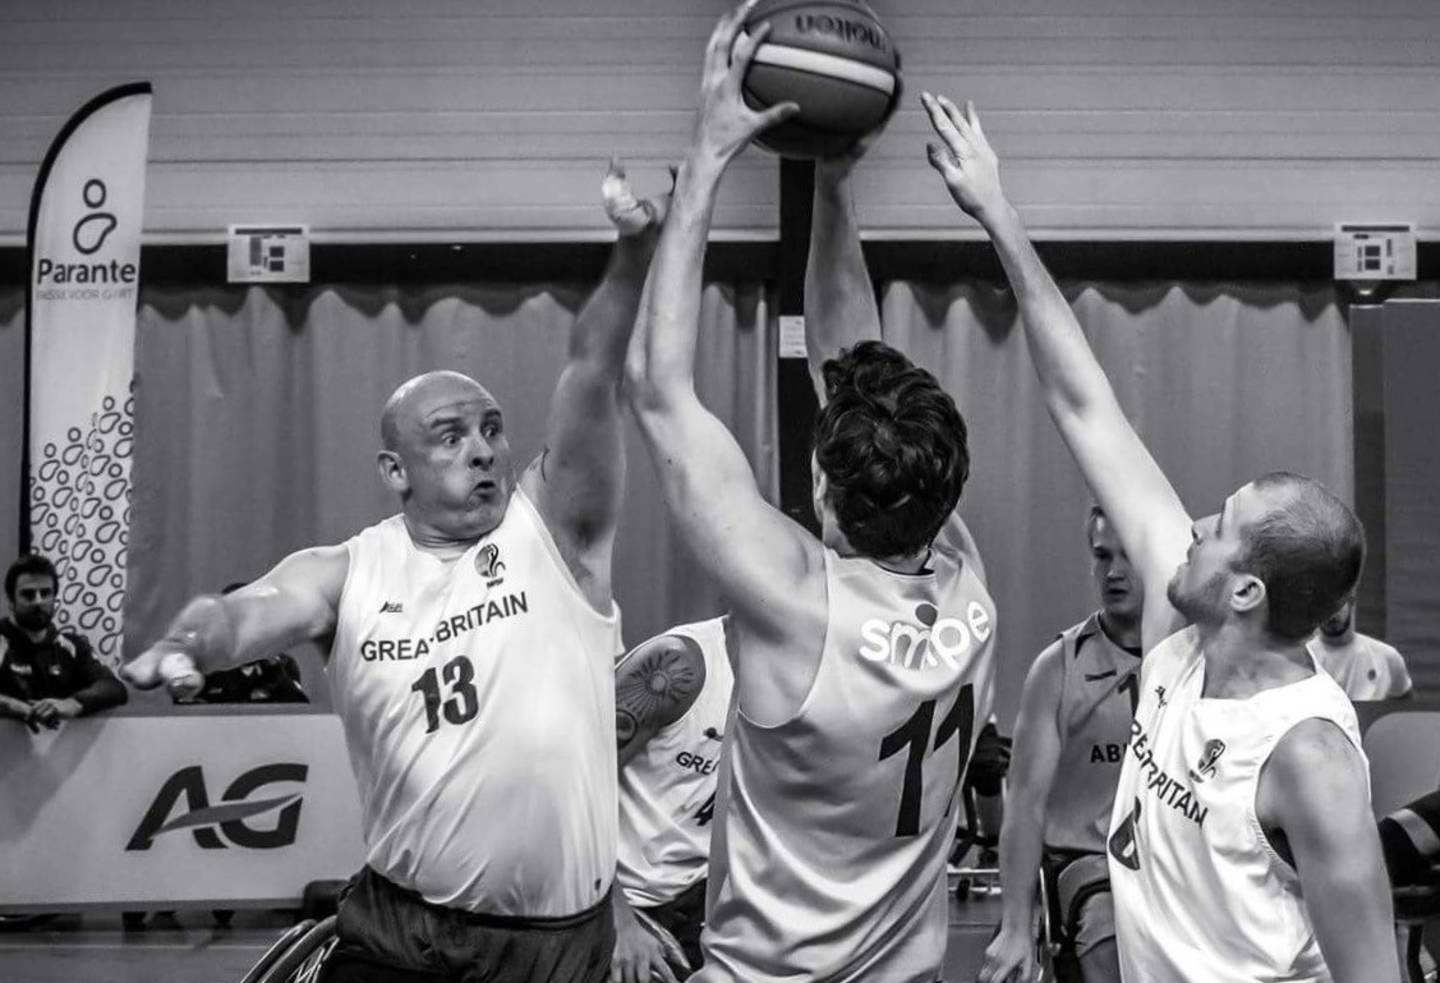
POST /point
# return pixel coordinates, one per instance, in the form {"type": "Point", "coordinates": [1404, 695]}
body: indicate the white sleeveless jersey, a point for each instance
{"type": "Point", "coordinates": [1366, 668]}
{"type": "Point", "coordinates": [667, 791]}
{"type": "Point", "coordinates": [1099, 690]}
{"type": "Point", "coordinates": [829, 855]}
{"type": "Point", "coordinates": [1200, 894]}
{"type": "Point", "coordinates": [479, 710]}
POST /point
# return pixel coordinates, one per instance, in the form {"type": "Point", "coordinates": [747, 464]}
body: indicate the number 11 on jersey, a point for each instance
{"type": "Point", "coordinates": [915, 735]}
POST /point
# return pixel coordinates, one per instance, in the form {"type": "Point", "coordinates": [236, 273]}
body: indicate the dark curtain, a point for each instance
{"type": "Point", "coordinates": [257, 420]}
{"type": "Point", "coordinates": [1224, 383]}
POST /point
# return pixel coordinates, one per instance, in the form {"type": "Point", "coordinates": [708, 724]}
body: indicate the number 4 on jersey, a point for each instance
{"type": "Point", "coordinates": [915, 734]}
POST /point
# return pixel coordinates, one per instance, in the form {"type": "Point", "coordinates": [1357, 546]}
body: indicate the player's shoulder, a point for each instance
{"type": "Point", "coordinates": [72, 641]}
{"type": "Point", "coordinates": [1312, 756]}
{"type": "Point", "coordinates": [1045, 678]}
{"type": "Point", "coordinates": [956, 540]}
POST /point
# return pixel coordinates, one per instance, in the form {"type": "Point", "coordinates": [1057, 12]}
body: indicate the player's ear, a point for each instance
{"type": "Point", "coordinates": [1247, 593]}
{"type": "Point", "coordinates": [392, 472]}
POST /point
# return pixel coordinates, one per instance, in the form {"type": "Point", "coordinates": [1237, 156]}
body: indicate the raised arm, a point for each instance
{"type": "Point", "coordinates": [1131, 488]}
{"type": "Point", "coordinates": [755, 553]}
{"type": "Point", "coordinates": [578, 478]}
{"type": "Point", "coordinates": [1022, 836]}
{"type": "Point", "coordinates": [297, 601]}
{"type": "Point", "coordinates": [1314, 790]}
{"type": "Point", "coordinates": [840, 307]}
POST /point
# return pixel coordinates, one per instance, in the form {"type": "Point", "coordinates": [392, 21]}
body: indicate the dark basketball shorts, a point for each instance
{"type": "Point", "coordinates": [684, 917]}
{"type": "Point", "coordinates": [391, 935]}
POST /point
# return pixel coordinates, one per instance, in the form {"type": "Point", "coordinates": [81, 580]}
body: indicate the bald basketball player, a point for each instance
{"type": "Point", "coordinates": [1242, 845]}
{"type": "Point", "coordinates": [863, 658]}
{"type": "Point", "coordinates": [472, 639]}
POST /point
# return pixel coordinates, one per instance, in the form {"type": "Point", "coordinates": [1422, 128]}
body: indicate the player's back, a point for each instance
{"type": "Point", "coordinates": [828, 859]}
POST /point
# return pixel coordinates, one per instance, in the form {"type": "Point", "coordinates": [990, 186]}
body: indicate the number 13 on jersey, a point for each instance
{"type": "Point", "coordinates": [915, 735]}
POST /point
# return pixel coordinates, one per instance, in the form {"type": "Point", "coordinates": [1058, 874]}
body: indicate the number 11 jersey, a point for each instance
{"type": "Point", "coordinates": [828, 860]}
{"type": "Point", "coordinates": [478, 700]}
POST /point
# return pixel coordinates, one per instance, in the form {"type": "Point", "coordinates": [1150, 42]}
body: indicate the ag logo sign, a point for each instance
{"type": "Point", "coordinates": [233, 818]}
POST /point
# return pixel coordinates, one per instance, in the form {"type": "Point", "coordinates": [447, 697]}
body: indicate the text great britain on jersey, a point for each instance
{"type": "Point", "coordinates": [447, 629]}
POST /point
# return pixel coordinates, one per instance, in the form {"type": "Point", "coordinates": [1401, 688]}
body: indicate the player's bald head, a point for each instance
{"type": "Point", "coordinates": [414, 399]}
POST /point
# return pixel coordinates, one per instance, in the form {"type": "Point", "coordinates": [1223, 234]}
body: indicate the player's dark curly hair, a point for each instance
{"type": "Point", "coordinates": [893, 447]}
{"type": "Point", "coordinates": [31, 563]}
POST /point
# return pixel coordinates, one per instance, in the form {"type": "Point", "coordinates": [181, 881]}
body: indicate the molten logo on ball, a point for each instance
{"type": "Point", "coordinates": [846, 30]}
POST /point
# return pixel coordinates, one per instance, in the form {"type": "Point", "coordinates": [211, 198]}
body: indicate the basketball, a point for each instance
{"type": "Point", "coordinates": [835, 60]}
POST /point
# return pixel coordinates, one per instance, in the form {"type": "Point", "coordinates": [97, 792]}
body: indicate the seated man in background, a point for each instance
{"type": "Point", "coordinates": [47, 675]}
{"type": "Point", "coordinates": [672, 695]}
{"type": "Point", "coordinates": [1366, 668]}
{"type": "Point", "coordinates": [273, 679]}
{"type": "Point", "coordinates": [1075, 715]}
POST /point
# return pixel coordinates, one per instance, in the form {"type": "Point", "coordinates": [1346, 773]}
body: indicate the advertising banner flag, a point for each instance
{"type": "Point", "coordinates": [84, 261]}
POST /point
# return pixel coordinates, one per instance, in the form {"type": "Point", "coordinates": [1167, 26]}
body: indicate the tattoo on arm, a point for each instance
{"type": "Point", "coordinates": [625, 727]}
{"type": "Point", "coordinates": [653, 693]}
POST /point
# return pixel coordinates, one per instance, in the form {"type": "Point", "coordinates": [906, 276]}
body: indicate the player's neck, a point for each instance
{"type": "Point", "coordinates": [430, 540]}
{"type": "Point", "coordinates": [911, 564]}
{"type": "Point", "coordinates": [1238, 664]}
{"type": "Point", "coordinates": [1338, 641]}
{"type": "Point", "coordinates": [1124, 632]}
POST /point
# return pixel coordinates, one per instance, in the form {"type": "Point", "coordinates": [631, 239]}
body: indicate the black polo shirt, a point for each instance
{"type": "Point", "coordinates": [59, 666]}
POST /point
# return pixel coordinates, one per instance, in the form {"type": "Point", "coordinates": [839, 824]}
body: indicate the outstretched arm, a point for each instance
{"type": "Point", "coordinates": [1022, 836]}
{"type": "Point", "coordinates": [1136, 495]}
{"type": "Point", "coordinates": [295, 602]}
{"type": "Point", "coordinates": [754, 552]}
{"type": "Point", "coordinates": [578, 479]}
{"type": "Point", "coordinates": [1314, 790]}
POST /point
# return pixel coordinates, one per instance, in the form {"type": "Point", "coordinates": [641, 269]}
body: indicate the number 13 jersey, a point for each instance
{"type": "Point", "coordinates": [828, 861]}
{"type": "Point", "coordinates": [478, 700]}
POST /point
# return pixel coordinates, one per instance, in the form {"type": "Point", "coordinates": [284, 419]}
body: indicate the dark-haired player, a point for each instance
{"type": "Point", "coordinates": [863, 658]}
{"type": "Point", "coordinates": [1242, 845]}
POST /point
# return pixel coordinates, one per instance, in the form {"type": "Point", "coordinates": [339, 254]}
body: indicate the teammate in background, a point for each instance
{"type": "Point", "coordinates": [472, 646]}
{"type": "Point", "coordinates": [1075, 715]}
{"type": "Point", "coordinates": [1366, 668]}
{"type": "Point", "coordinates": [863, 658]}
{"type": "Point", "coordinates": [672, 696]}
{"type": "Point", "coordinates": [1242, 845]}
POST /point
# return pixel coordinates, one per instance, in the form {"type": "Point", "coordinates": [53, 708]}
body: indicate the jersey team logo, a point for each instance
{"type": "Point", "coordinates": [1206, 766]}
{"type": "Point", "coordinates": [910, 646]}
{"type": "Point", "coordinates": [489, 565]}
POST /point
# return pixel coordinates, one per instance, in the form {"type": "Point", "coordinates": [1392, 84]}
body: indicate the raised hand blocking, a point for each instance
{"type": "Point", "coordinates": [963, 157]}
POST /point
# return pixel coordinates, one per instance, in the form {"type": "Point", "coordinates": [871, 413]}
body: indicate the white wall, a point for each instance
{"type": "Point", "coordinates": [382, 119]}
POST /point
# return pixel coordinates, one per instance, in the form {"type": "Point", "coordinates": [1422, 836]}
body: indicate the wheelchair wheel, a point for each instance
{"type": "Point", "coordinates": [302, 962]}
{"type": "Point", "coordinates": [279, 948]}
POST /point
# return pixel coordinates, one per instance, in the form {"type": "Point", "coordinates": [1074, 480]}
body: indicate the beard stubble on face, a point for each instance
{"type": "Point", "coordinates": [1205, 605]}
{"type": "Point", "coordinates": [35, 619]}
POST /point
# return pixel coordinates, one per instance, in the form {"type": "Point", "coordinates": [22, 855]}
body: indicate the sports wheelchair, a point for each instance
{"type": "Point", "coordinates": [298, 956]}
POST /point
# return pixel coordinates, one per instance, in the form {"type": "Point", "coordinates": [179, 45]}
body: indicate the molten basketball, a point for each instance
{"type": "Point", "coordinates": [835, 60]}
